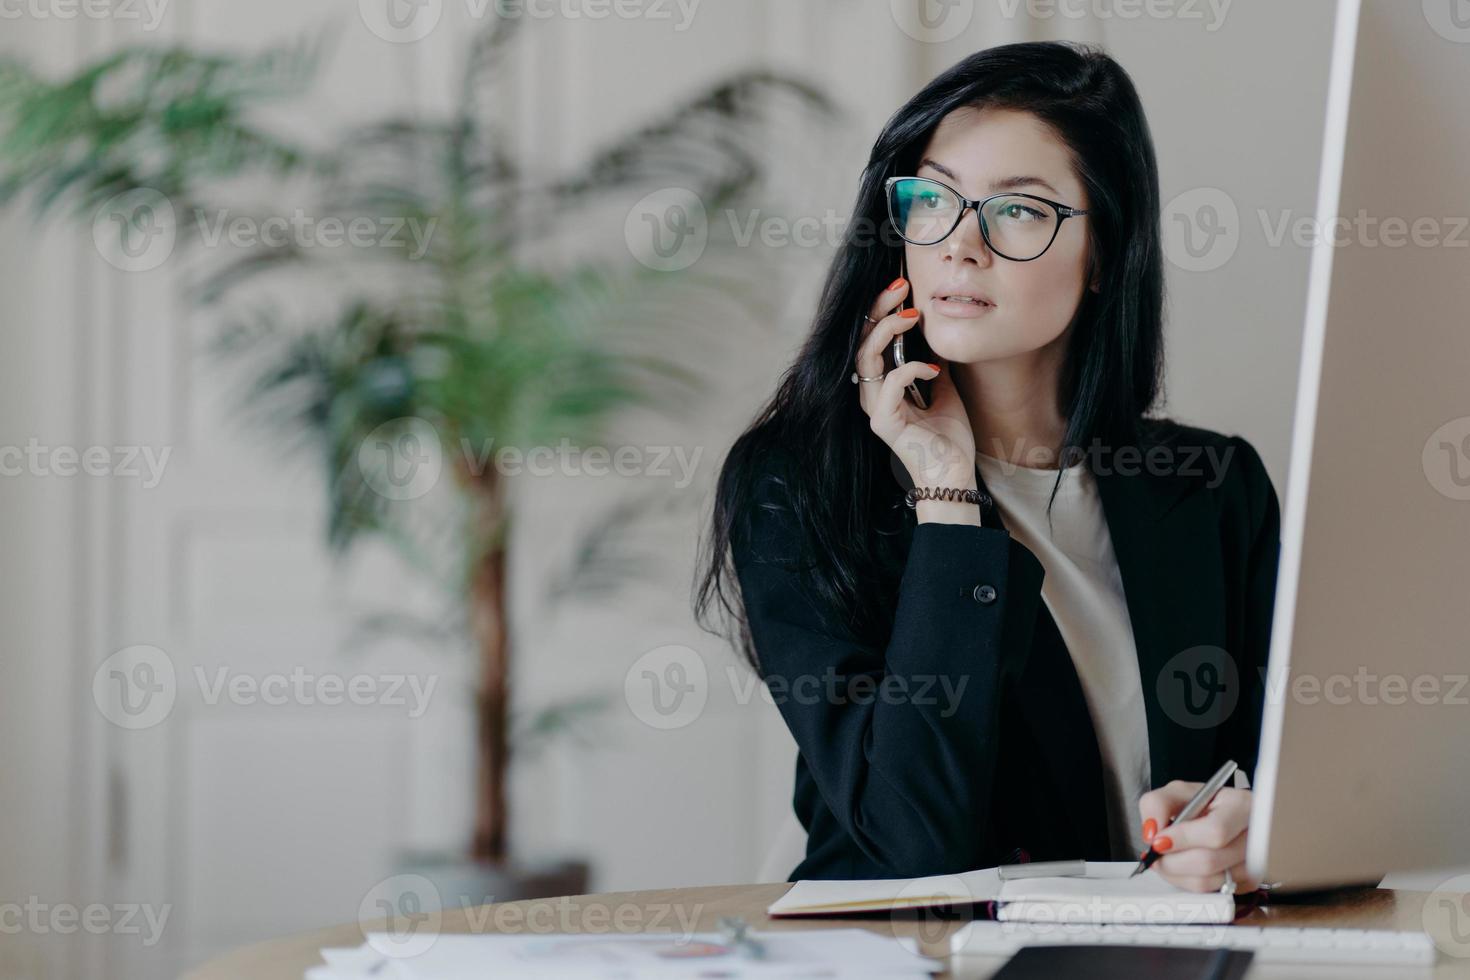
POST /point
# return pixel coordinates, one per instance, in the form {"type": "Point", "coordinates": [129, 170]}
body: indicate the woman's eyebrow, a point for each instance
{"type": "Point", "coordinates": [1004, 184]}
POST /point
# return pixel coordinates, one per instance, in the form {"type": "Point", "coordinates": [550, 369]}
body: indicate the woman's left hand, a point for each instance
{"type": "Point", "coordinates": [1197, 852]}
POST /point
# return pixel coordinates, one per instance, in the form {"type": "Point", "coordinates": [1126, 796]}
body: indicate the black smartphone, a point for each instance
{"type": "Point", "coordinates": [910, 346]}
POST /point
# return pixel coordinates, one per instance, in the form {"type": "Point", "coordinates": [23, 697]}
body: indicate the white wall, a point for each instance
{"type": "Point", "coordinates": [1240, 110]}
{"type": "Point", "coordinates": [91, 356]}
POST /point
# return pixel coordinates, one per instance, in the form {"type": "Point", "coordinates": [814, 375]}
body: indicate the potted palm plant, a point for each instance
{"type": "Point", "coordinates": [488, 333]}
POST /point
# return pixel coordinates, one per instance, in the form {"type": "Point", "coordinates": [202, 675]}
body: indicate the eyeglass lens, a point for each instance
{"type": "Point", "coordinates": [1016, 227]}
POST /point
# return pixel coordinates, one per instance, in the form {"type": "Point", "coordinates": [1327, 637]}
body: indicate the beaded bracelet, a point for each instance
{"type": "Point", "coordinates": [969, 496]}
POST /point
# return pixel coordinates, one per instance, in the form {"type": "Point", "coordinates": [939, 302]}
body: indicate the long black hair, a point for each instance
{"type": "Point", "coordinates": [844, 495]}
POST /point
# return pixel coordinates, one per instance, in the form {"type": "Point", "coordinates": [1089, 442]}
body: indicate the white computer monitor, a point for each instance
{"type": "Point", "coordinates": [1364, 765]}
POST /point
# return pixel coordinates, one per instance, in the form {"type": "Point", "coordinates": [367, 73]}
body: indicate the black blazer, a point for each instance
{"type": "Point", "coordinates": [909, 780]}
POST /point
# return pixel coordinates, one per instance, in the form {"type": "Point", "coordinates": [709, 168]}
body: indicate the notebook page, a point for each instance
{"type": "Point", "coordinates": [1107, 894]}
{"type": "Point", "coordinates": [812, 897]}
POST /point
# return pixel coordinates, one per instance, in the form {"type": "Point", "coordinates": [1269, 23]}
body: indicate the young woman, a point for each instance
{"type": "Point", "coordinates": [1047, 666]}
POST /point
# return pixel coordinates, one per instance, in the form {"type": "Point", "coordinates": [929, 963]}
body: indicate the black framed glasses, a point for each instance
{"type": "Point", "coordinates": [1019, 227]}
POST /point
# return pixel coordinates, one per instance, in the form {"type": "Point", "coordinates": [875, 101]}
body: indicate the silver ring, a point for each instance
{"type": "Point", "coordinates": [869, 319]}
{"type": "Point", "coordinates": [1228, 887]}
{"type": "Point", "coordinates": [856, 377]}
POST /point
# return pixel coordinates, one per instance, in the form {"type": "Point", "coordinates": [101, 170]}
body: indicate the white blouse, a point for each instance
{"type": "Point", "coordinates": [1083, 590]}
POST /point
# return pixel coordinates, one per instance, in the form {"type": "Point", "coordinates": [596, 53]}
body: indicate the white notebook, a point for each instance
{"type": "Point", "coordinates": [1104, 893]}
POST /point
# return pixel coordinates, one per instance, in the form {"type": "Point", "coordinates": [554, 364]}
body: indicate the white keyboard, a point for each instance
{"type": "Point", "coordinates": [1271, 944]}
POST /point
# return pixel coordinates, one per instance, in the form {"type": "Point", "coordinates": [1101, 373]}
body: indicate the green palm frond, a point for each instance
{"type": "Point", "coordinates": [330, 388]}
{"type": "Point", "coordinates": [721, 135]}
{"type": "Point", "coordinates": [611, 553]}
{"type": "Point", "coordinates": [468, 335]}
{"type": "Point", "coordinates": [572, 718]}
{"type": "Point", "coordinates": [167, 119]}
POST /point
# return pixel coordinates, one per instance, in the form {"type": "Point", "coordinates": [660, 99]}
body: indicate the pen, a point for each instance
{"type": "Point", "coordinates": [737, 934]}
{"type": "Point", "coordinates": [1196, 803]}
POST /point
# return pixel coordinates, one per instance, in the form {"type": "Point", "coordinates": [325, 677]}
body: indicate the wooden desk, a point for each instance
{"type": "Point", "coordinates": [676, 910]}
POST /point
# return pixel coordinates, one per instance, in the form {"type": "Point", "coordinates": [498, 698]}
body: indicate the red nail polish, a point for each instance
{"type": "Point", "coordinates": [895, 284]}
{"type": "Point", "coordinates": [1149, 829]}
{"type": "Point", "coordinates": [934, 366]}
{"type": "Point", "coordinates": [1163, 844]}
{"type": "Point", "coordinates": [909, 314]}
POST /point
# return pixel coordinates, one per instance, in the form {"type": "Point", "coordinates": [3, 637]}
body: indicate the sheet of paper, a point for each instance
{"type": "Point", "coordinates": [797, 954]}
{"type": "Point", "coordinates": [814, 897]}
{"type": "Point", "coordinates": [352, 959]}
{"type": "Point", "coordinates": [348, 963]}
{"type": "Point", "coordinates": [1455, 880]}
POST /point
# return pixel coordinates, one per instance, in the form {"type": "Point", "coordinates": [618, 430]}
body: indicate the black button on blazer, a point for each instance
{"type": "Point", "coordinates": [988, 750]}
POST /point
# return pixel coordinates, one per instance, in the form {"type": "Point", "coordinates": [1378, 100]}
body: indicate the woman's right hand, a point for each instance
{"type": "Point", "coordinates": [936, 444]}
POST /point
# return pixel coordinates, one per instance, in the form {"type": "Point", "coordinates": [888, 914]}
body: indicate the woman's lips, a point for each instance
{"type": "Point", "coordinates": [960, 310]}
